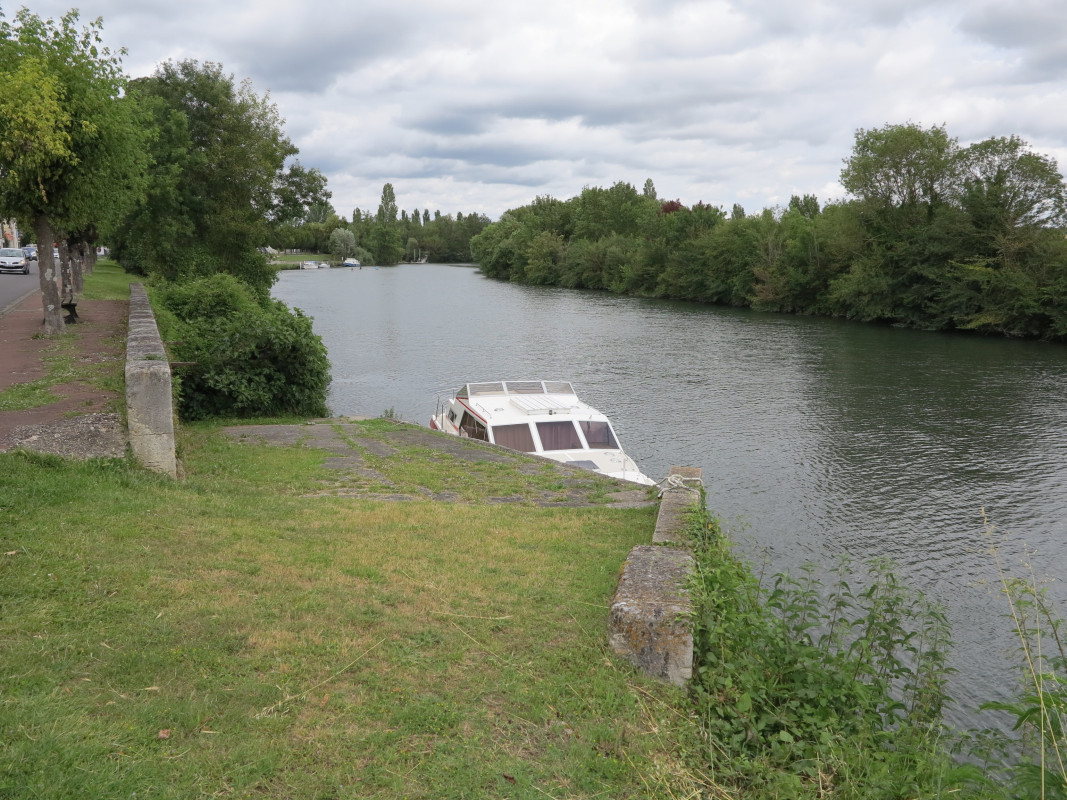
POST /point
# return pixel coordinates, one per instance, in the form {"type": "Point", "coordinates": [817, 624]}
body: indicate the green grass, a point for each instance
{"type": "Point", "coordinates": [292, 260]}
{"type": "Point", "coordinates": [109, 282]}
{"type": "Point", "coordinates": [439, 472]}
{"type": "Point", "coordinates": [233, 634]}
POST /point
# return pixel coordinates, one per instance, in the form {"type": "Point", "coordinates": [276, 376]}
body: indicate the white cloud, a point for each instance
{"type": "Point", "coordinates": [471, 106]}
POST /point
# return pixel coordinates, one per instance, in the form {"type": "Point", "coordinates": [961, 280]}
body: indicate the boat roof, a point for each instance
{"type": "Point", "coordinates": [504, 402]}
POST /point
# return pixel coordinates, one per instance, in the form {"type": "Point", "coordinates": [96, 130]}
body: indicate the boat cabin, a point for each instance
{"type": "Point", "coordinates": [517, 414]}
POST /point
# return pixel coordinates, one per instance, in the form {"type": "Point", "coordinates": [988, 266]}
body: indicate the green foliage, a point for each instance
{"type": "Point", "coordinates": [808, 690]}
{"type": "Point", "coordinates": [218, 180]}
{"type": "Point", "coordinates": [71, 147]}
{"type": "Point", "coordinates": [342, 243]}
{"type": "Point", "coordinates": [936, 237]}
{"type": "Point", "coordinates": [250, 357]}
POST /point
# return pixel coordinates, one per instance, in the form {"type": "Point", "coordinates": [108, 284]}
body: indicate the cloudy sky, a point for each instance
{"type": "Point", "coordinates": [480, 106]}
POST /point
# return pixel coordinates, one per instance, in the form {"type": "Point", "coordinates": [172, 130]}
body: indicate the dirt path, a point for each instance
{"type": "Point", "coordinates": [80, 423]}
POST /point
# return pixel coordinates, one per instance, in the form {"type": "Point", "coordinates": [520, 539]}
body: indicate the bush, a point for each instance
{"type": "Point", "coordinates": [249, 357]}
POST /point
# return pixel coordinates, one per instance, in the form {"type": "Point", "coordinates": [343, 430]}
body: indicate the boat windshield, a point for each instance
{"type": "Point", "coordinates": [560, 435]}
{"type": "Point", "coordinates": [515, 387]}
{"type": "Point", "coordinates": [525, 387]}
{"type": "Point", "coordinates": [517, 437]}
{"type": "Point", "coordinates": [599, 435]}
{"type": "Point", "coordinates": [475, 389]}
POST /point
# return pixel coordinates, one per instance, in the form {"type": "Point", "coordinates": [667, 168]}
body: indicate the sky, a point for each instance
{"type": "Point", "coordinates": [478, 107]}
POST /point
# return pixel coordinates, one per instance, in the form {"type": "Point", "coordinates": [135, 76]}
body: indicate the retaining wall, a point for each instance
{"type": "Point", "coordinates": [651, 622]}
{"type": "Point", "coordinates": [149, 401]}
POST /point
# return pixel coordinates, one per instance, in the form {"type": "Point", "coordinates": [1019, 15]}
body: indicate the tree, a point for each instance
{"type": "Point", "coordinates": [387, 209]}
{"type": "Point", "coordinates": [1007, 186]}
{"type": "Point", "coordinates": [72, 148]}
{"type": "Point", "coordinates": [218, 178]}
{"type": "Point", "coordinates": [342, 243]}
{"type": "Point", "coordinates": [901, 166]}
{"type": "Point", "coordinates": [299, 193]}
{"type": "Point", "coordinates": [650, 189]}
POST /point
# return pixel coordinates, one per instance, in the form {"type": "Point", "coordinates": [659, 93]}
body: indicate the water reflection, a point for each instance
{"type": "Point", "coordinates": [817, 437]}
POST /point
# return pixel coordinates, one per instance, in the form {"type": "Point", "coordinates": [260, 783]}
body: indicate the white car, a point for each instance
{"type": "Point", "coordinates": [13, 260]}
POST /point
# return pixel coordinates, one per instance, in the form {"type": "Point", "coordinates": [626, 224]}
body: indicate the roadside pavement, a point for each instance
{"type": "Point", "coordinates": [81, 422]}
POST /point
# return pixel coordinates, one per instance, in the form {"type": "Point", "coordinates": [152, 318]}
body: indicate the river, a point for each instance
{"type": "Point", "coordinates": [817, 437]}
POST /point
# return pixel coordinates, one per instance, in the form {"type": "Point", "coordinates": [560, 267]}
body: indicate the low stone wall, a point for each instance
{"type": "Point", "coordinates": [651, 624]}
{"type": "Point", "coordinates": [149, 402]}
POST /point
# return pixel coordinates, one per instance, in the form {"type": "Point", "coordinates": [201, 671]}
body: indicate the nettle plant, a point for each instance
{"type": "Point", "coordinates": [812, 688]}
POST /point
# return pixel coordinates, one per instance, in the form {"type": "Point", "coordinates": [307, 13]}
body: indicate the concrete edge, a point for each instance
{"type": "Point", "coordinates": [149, 397]}
{"type": "Point", "coordinates": [651, 619]}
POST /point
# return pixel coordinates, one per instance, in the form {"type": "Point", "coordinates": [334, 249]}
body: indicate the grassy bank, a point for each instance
{"type": "Point", "coordinates": [109, 282]}
{"type": "Point", "coordinates": [293, 260]}
{"type": "Point", "coordinates": [238, 634]}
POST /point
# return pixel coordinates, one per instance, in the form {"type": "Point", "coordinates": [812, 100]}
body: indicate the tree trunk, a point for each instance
{"type": "Point", "coordinates": [46, 269]}
{"type": "Point", "coordinates": [65, 279]}
{"type": "Point", "coordinates": [77, 266]}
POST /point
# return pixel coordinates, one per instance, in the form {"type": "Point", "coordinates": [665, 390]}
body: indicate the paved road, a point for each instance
{"type": "Point", "coordinates": [14, 287]}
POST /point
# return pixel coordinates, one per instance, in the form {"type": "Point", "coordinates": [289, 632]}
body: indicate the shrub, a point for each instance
{"type": "Point", "coordinates": [248, 357]}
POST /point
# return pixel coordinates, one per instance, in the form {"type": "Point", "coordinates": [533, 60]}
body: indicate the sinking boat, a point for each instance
{"type": "Point", "coordinates": [544, 418]}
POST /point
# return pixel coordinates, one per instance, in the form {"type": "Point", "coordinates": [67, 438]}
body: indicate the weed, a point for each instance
{"type": "Point", "coordinates": [1034, 765]}
{"type": "Point", "coordinates": [808, 690]}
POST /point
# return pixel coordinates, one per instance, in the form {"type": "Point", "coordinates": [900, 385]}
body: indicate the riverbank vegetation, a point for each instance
{"type": "Point", "coordinates": [934, 235]}
{"type": "Point", "coordinates": [806, 688]}
{"type": "Point", "coordinates": [248, 631]}
{"type": "Point", "coordinates": [240, 356]}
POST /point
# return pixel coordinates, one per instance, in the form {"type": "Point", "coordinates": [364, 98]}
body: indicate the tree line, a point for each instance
{"type": "Point", "coordinates": [933, 235]}
{"type": "Point", "coordinates": [184, 174]}
{"type": "Point", "coordinates": [387, 236]}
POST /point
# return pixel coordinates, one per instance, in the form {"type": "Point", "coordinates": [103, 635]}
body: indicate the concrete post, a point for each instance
{"type": "Point", "coordinates": [149, 402]}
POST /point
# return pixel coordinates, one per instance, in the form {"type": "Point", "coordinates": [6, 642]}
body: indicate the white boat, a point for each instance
{"type": "Point", "coordinates": [544, 418]}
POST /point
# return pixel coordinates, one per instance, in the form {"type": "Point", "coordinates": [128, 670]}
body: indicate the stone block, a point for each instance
{"type": "Point", "coordinates": [650, 622]}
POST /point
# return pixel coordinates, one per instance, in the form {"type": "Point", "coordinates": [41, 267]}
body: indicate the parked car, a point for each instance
{"type": "Point", "coordinates": [30, 251]}
{"type": "Point", "coordinates": [13, 260]}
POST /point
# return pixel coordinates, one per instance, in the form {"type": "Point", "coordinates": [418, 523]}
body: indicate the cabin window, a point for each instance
{"type": "Point", "coordinates": [470, 426]}
{"type": "Point", "coordinates": [599, 435]}
{"type": "Point", "coordinates": [559, 435]}
{"type": "Point", "coordinates": [517, 437]}
{"type": "Point", "coordinates": [452, 417]}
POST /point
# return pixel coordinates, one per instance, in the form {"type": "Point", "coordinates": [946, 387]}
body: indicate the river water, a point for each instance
{"type": "Point", "coordinates": [818, 438]}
